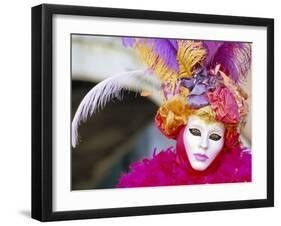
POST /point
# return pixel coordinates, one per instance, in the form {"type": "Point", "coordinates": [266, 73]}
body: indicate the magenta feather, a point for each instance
{"type": "Point", "coordinates": [234, 58]}
{"type": "Point", "coordinates": [164, 169]}
{"type": "Point", "coordinates": [212, 48]}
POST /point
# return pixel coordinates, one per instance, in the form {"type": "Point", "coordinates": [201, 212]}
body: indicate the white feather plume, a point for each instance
{"type": "Point", "coordinates": [105, 91]}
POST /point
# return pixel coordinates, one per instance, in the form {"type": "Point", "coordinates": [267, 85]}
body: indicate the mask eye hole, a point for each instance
{"type": "Point", "coordinates": [195, 132]}
{"type": "Point", "coordinates": [215, 137]}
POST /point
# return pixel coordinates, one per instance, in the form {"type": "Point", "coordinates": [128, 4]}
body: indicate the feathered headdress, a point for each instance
{"type": "Point", "coordinates": [193, 74]}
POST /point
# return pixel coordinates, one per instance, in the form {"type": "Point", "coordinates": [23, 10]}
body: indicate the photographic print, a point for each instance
{"type": "Point", "coordinates": [152, 112]}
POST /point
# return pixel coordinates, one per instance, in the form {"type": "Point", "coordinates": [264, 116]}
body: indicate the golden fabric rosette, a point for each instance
{"type": "Point", "coordinates": [172, 115]}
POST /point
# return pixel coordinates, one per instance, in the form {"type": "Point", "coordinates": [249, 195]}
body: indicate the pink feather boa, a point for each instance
{"type": "Point", "coordinates": [171, 167]}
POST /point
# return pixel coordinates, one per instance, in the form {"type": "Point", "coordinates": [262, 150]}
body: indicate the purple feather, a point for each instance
{"type": "Point", "coordinates": [128, 42]}
{"type": "Point", "coordinates": [167, 50]}
{"type": "Point", "coordinates": [235, 59]}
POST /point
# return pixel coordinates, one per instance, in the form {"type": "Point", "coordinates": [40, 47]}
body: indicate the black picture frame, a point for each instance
{"type": "Point", "coordinates": [42, 111]}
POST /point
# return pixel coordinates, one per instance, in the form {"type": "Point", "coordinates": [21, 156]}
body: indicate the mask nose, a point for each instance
{"type": "Point", "coordinates": [204, 143]}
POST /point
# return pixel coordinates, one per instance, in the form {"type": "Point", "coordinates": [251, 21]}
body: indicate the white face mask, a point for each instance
{"type": "Point", "coordinates": [203, 142]}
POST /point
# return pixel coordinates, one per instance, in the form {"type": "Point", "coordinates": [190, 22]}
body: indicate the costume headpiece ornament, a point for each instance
{"type": "Point", "coordinates": [193, 74]}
